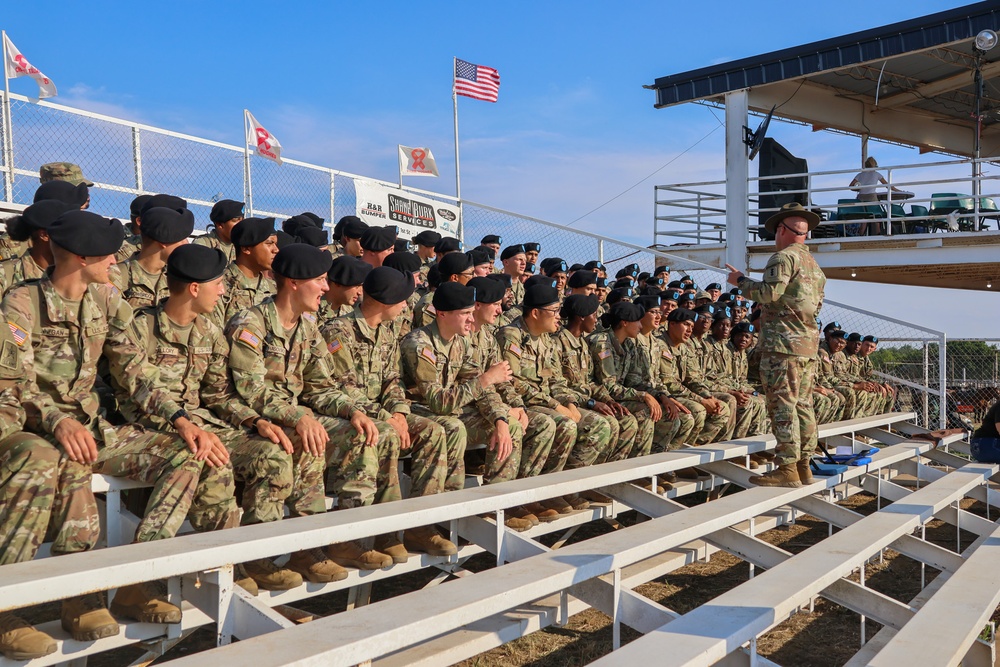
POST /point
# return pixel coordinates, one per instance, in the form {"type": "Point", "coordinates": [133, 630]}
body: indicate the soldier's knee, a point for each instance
{"type": "Point", "coordinates": [30, 453]}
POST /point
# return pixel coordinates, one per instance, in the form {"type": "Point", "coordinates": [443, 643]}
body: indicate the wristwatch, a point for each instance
{"type": "Point", "coordinates": [501, 419]}
{"type": "Point", "coordinates": [591, 403]}
{"type": "Point", "coordinates": [177, 415]}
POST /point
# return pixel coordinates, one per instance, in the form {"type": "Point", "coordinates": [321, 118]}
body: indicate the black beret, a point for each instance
{"type": "Point", "coordinates": [540, 280]}
{"type": "Point", "coordinates": [671, 295]}
{"type": "Point", "coordinates": [193, 263]}
{"type": "Point", "coordinates": [511, 251]}
{"type": "Point", "coordinates": [225, 210]}
{"type": "Point", "coordinates": [595, 265]}
{"type": "Point", "coordinates": [348, 271]}
{"type": "Point", "coordinates": [663, 268]}
{"type": "Point", "coordinates": [579, 305]}
{"type": "Point", "coordinates": [317, 221]}
{"type": "Point", "coordinates": [502, 278]}
{"type": "Point", "coordinates": [539, 296]}
{"type": "Point", "coordinates": [869, 339]}
{"type": "Point", "coordinates": [854, 338]}
{"type": "Point", "coordinates": [490, 252]}
{"type": "Point", "coordinates": [434, 276]}
{"type": "Point", "coordinates": [284, 238]}
{"type": "Point", "coordinates": [301, 261]}
{"type": "Point", "coordinates": [64, 191]}
{"type": "Point", "coordinates": [582, 279]}
{"type": "Point", "coordinates": [624, 282]}
{"type": "Point", "coordinates": [552, 265]}
{"type": "Point", "coordinates": [838, 333]}
{"type": "Point", "coordinates": [167, 225]}
{"type": "Point", "coordinates": [402, 245]}
{"type": "Point", "coordinates": [379, 239]}
{"type": "Point", "coordinates": [454, 263]}
{"type": "Point", "coordinates": [722, 313]}
{"type": "Point", "coordinates": [684, 298]}
{"type": "Point", "coordinates": [448, 244]}
{"type": "Point", "coordinates": [576, 267]}
{"type": "Point", "coordinates": [736, 291]}
{"type": "Point", "coordinates": [755, 315]}
{"type": "Point", "coordinates": [623, 311]}
{"type": "Point", "coordinates": [388, 285]}
{"type": "Point", "coordinates": [642, 277]}
{"type": "Point", "coordinates": [655, 282]}
{"type": "Point", "coordinates": [350, 226]}
{"type": "Point", "coordinates": [406, 262]}
{"type": "Point", "coordinates": [296, 223]}
{"type": "Point", "coordinates": [682, 315]}
{"type": "Point", "coordinates": [314, 236]}
{"type": "Point", "coordinates": [601, 282]}
{"type": "Point", "coordinates": [832, 325]}
{"type": "Point", "coordinates": [86, 234]}
{"type": "Point", "coordinates": [687, 279]}
{"type": "Point", "coordinates": [630, 270]}
{"type": "Point", "coordinates": [675, 284]}
{"type": "Point", "coordinates": [705, 309]}
{"type": "Point", "coordinates": [453, 296]}
{"type": "Point", "coordinates": [251, 231]}
{"type": "Point", "coordinates": [738, 302]}
{"type": "Point", "coordinates": [532, 247]}
{"type": "Point", "coordinates": [712, 286]}
{"type": "Point", "coordinates": [41, 215]}
{"type": "Point", "coordinates": [492, 238]}
{"type": "Point", "coordinates": [165, 201]}
{"type": "Point", "coordinates": [620, 294]}
{"type": "Point", "coordinates": [135, 208]}
{"type": "Point", "coordinates": [725, 297]}
{"type": "Point", "coordinates": [529, 268]}
{"type": "Point", "coordinates": [487, 291]}
{"type": "Point", "coordinates": [648, 302]}
{"type": "Point", "coordinates": [745, 327]}
{"type": "Point", "coordinates": [427, 238]}
{"type": "Point", "coordinates": [480, 256]}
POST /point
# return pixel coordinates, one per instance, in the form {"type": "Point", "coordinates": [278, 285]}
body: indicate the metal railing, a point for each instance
{"type": "Point", "coordinates": [696, 212]}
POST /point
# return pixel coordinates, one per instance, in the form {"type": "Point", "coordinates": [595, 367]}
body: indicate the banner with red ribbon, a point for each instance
{"type": "Point", "coordinates": [17, 65]}
{"type": "Point", "coordinates": [416, 162]}
{"type": "Point", "coordinates": [379, 205]}
{"type": "Point", "coordinates": [262, 141]}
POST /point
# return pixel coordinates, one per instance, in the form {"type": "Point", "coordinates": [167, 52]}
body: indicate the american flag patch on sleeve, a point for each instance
{"type": "Point", "coordinates": [603, 354]}
{"type": "Point", "coordinates": [428, 354]}
{"type": "Point", "coordinates": [249, 338]}
{"type": "Point", "coordinates": [334, 347]}
{"type": "Point", "coordinates": [515, 350]}
{"type": "Point", "coordinates": [19, 334]}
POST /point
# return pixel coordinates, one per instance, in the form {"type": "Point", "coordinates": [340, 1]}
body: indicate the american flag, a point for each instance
{"type": "Point", "coordinates": [476, 81]}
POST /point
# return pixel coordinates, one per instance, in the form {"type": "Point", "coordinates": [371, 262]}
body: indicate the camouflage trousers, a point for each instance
{"type": "Point", "coordinates": [576, 445]}
{"type": "Point", "coordinates": [828, 408]}
{"type": "Point", "coordinates": [437, 457]}
{"type": "Point", "coordinates": [537, 446]}
{"type": "Point", "coordinates": [730, 406]}
{"type": "Point", "coordinates": [357, 473]}
{"type": "Point", "coordinates": [43, 497]}
{"type": "Point", "coordinates": [788, 383]}
{"type": "Point", "coordinates": [629, 433]}
{"type": "Point", "coordinates": [649, 434]}
{"type": "Point", "coordinates": [750, 417]}
{"type": "Point", "coordinates": [272, 478]}
{"type": "Point", "coordinates": [857, 402]}
{"type": "Point", "coordinates": [699, 415]}
{"type": "Point", "coordinates": [713, 427]}
{"type": "Point", "coordinates": [183, 487]}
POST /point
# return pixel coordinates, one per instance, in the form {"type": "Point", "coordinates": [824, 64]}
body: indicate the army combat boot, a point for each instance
{"type": "Point", "coordinates": [20, 641]}
{"type": "Point", "coordinates": [270, 577]}
{"type": "Point", "coordinates": [350, 554]}
{"type": "Point", "coordinates": [390, 545]}
{"type": "Point", "coordinates": [244, 580]}
{"type": "Point", "coordinates": [541, 512]}
{"type": "Point", "coordinates": [145, 602]}
{"type": "Point", "coordinates": [805, 473]}
{"type": "Point", "coordinates": [87, 619]}
{"type": "Point", "coordinates": [426, 539]}
{"type": "Point", "coordinates": [314, 566]}
{"type": "Point", "coordinates": [784, 475]}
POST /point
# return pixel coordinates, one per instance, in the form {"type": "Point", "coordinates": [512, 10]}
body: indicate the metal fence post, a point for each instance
{"type": "Point", "coordinates": [927, 384]}
{"type": "Point", "coordinates": [8, 148]}
{"type": "Point", "coordinates": [137, 158]}
{"type": "Point", "coordinates": [943, 380]}
{"type": "Point", "coordinates": [600, 250]}
{"type": "Point", "coordinates": [333, 199]}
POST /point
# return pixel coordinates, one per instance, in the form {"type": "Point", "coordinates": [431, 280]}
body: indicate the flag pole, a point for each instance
{"type": "Point", "coordinates": [247, 185]}
{"type": "Point", "coordinates": [454, 100]}
{"type": "Point", "coordinates": [8, 131]}
{"type": "Point", "coordinates": [399, 158]}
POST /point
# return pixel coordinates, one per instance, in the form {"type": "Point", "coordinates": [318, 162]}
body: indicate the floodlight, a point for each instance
{"type": "Point", "coordinates": [986, 40]}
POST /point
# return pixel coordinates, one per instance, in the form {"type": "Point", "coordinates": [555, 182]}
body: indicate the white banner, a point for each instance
{"type": "Point", "coordinates": [17, 65]}
{"type": "Point", "coordinates": [379, 205]}
{"type": "Point", "coordinates": [262, 141]}
{"type": "Point", "coordinates": [416, 162]}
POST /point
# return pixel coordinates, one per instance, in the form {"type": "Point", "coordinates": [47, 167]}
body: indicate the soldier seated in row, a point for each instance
{"type": "Point", "coordinates": [225, 215]}
{"type": "Point", "coordinates": [345, 280]}
{"type": "Point", "coordinates": [31, 225]}
{"type": "Point", "coordinates": [133, 240]}
{"type": "Point", "coordinates": [246, 280]}
{"type": "Point", "coordinates": [377, 244]}
{"type": "Point", "coordinates": [142, 279]}
{"type": "Point", "coordinates": [408, 264]}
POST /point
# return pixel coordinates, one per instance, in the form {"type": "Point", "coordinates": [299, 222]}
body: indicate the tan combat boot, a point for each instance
{"type": "Point", "coordinates": [270, 577]}
{"type": "Point", "coordinates": [576, 502]}
{"type": "Point", "coordinates": [646, 484]}
{"type": "Point", "coordinates": [244, 580]}
{"type": "Point", "coordinates": [87, 619]}
{"type": "Point", "coordinates": [524, 513]}
{"type": "Point", "coordinates": [804, 470]}
{"type": "Point", "coordinates": [542, 513]}
{"type": "Point", "coordinates": [596, 497]}
{"type": "Point", "coordinates": [20, 641]}
{"type": "Point", "coordinates": [517, 525]}
{"type": "Point", "coordinates": [390, 545]}
{"type": "Point", "coordinates": [349, 554]}
{"type": "Point", "coordinates": [558, 504]}
{"type": "Point", "coordinates": [145, 602]}
{"type": "Point", "coordinates": [426, 539]}
{"type": "Point", "coordinates": [314, 566]}
{"type": "Point", "coordinates": [784, 475]}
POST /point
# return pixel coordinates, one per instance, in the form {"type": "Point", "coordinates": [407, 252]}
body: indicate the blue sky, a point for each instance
{"type": "Point", "coordinates": [340, 84]}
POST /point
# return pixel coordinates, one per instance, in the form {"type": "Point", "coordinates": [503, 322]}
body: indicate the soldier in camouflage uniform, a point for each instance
{"type": "Point", "coordinates": [445, 385]}
{"type": "Point", "coordinates": [133, 239]}
{"type": "Point", "coordinates": [246, 280]}
{"type": "Point", "coordinates": [791, 295]}
{"type": "Point", "coordinates": [722, 371]}
{"type": "Point", "coordinates": [142, 280]}
{"type": "Point", "coordinates": [190, 356]}
{"type": "Point", "coordinates": [425, 242]}
{"type": "Point", "coordinates": [31, 224]}
{"type": "Point", "coordinates": [281, 367]}
{"type": "Point", "coordinates": [63, 323]}
{"type": "Point", "coordinates": [582, 435]}
{"type": "Point", "coordinates": [829, 402]}
{"type": "Point", "coordinates": [225, 215]}
{"type": "Point", "coordinates": [453, 267]}
{"type": "Point", "coordinates": [344, 279]}
{"type": "Point", "coordinates": [364, 348]}
{"type": "Point", "coordinates": [888, 393]}
{"type": "Point", "coordinates": [409, 264]}
{"type": "Point", "coordinates": [514, 261]}
{"type": "Point", "coordinates": [860, 394]}
{"type": "Point", "coordinates": [67, 186]}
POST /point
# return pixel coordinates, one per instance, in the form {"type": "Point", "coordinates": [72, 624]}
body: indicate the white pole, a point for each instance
{"type": "Point", "coordinates": [8, 131]}
{"type": "Point", "coordinates": [454, 101]}
{"type": "Point", "coordinates": [399, 154]}
{"type": "Point", "coordinates": [247, 185]}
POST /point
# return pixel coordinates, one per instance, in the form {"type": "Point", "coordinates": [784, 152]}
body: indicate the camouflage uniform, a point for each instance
{"type": "Point", "coordinates": [791, 296]}
{"type": "Point", "coordinates": [212, 240]}
{"type": "Point", "coordinates": [541, 432]}
{"type": "Point", "coordinates": [442, 380]}
{"type": "Point", "coordinates": [191, 363]}
{"type": "Point", "coordinates": [538, 379]}
{"type": "Point", "coordinates": [404, 322]}
{"type": "Point", "coordinates": [62, 344]}
{"type": "Point", "coordinates": [722, 371]}
{"type": "Point", "coordinates": [285, 375]}
{"type": "Point", "coordinates": [858, 403]}
{"type": "Point", "coordinates": [11, 249]}
{"type": "Point", "coordinates": [517, 287]}
{"type": "Point", "coordinates": [681, 362]}
{"type": "Point", "coordinates": [829, 408]}
{"type": "Point", "coordinates": [510, 315]}
{"type": "Point", "coordinates": [697, 349]}
{"type": "Point", "coordinates": [628, 436]}
{"type": "Point", "coordinates": [130, 248]}
{"type": "Point", "coordinates": [883, 402]}
{"type": "Point", "coordinates": [139, 287]}
{"type": "Point", "coordinates": [423, 311]}
{"type": "Point", "coordinates": [17, 270]}
{"type": "Point", "coordinates": [241, 294]}
{"type": "Point", "coordinates": [366, 362]}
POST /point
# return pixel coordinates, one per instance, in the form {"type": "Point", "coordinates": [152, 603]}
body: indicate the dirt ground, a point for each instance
{"type": "Point", "coordinates": [828, 635]}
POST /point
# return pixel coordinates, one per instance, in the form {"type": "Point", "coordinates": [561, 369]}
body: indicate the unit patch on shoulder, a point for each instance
{"type": "Point", "coordinates": [515, 349]}
{"type": "Point", "coordinates": [19, 334]}
{"type": "Point", "coordinates": [249, 338]}
{"type": "Point", "coordinates": [428, 354]}
{"type": "Point", "coordinates": [666, 354]}
{"type": "Point", "coordinates": [334, 346]}
{"type": "Point", "coordinates": [603, 354]}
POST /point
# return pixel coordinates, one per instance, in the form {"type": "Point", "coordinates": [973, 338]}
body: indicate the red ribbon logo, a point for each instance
{"type": "Point", "coordinates": [418, 159]}
{"type": "Point", "coordinates": [262, 138]}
